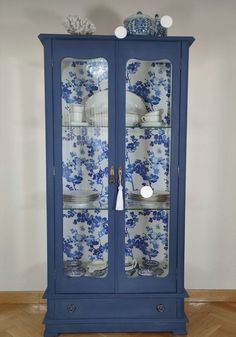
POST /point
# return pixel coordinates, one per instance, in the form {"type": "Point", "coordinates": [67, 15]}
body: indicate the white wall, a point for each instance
{"type": "Point", "coordinates": [211, 165]}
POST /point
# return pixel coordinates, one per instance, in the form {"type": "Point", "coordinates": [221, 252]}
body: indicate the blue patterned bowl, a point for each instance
{"type": "Point", "coordinates": [151, 264]}
{"type": "Point", "coordinates": [139, 24]}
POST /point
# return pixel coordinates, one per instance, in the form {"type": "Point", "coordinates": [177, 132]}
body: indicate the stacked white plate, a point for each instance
{"type": "Point", "coordinates": [158, 196]}
{"type": "Point", "coordinates": [79, 198]}
{"type": "Point", "coordinates": [98, 119]}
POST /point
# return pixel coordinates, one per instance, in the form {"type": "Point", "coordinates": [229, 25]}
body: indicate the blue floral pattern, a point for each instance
{"type": "Point", "coordinates": [151, 80]}
{"type": "Point", "coordinates": [81, 78]}
{"type": "Point", "coordinates": [146, 236]}
{"type": "Point", "coordinates": [85, 160]}
{"type": "Point", "coordinates": [147, 163]}
{"type": "Point", "coordinates": [85, 235]}
{"type": "Point", "coordinates": [85, 150]}
{"type": "Point", "coordinates": [147, 158]}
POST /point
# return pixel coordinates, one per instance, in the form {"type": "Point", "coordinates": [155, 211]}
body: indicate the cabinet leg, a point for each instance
{"type": "Point", "coordinates": [50, 333]}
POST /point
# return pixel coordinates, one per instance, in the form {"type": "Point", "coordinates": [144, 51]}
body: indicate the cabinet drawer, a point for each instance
{"type": "Point", "coordinates": [115, 308]}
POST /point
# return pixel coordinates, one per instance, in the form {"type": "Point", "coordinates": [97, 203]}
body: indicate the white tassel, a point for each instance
{"type": "Point", "coordinates": [119, 199]}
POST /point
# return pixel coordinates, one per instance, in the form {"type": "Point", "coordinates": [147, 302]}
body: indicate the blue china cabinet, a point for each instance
{"type": "Point", "coordinates": [115, 114]}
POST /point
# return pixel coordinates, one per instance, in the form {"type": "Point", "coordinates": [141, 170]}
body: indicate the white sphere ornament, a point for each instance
{"type": "Point", "coordinates": [146, 191]}
{"type": "Point", "coordinates": [166, 21]}
{"type": "Point", "coordinates": [120, 32]}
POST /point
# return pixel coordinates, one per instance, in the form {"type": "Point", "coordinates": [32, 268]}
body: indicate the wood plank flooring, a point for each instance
{"type": "Point", "coordinates": [216, 319]}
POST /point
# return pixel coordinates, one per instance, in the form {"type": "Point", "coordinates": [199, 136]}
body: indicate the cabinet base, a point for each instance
{"type": "Point", "coordinates": [180, 332]}
{"type": "Point", "coordinates": [54, 328]}
{"type": "Point", "coordinates": [49, 332]}
{"type": "Point", "coordinates": [116, 313]}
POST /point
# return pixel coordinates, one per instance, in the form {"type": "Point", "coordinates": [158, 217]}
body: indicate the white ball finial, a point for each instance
{"type": "Point", "coordinates": [166, 21]}
{"type": "Point", "coordinates": [146, 191]}
{"type": "Point", "coordinates": [120, 32]}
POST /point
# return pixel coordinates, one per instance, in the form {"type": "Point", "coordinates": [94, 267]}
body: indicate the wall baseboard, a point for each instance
{"type": "Point", "coordinates": [195, 295]}
{"type": "Point", "coordinates": [21, 297]}
{"type": "Point", "coordinates": [211, 295]}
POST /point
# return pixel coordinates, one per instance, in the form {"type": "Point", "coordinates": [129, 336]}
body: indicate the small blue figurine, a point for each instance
{"type": "Point", "coordinates": [159, 30]}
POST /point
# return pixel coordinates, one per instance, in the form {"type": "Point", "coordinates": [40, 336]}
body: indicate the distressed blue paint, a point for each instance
{"type": "Point", "coordinates": [115, 295]}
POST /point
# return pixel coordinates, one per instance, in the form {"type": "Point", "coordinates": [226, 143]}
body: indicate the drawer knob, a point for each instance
{"type": "Point", "coordinates": [160, 307]}
{"type": "Point", "coordinates": [71, 308]}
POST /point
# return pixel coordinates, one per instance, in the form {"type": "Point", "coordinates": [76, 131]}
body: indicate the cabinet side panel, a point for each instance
{"type": "Point", "coordinates": [49, 160]}
{"type": "Point", "coordinates": [182, 165]}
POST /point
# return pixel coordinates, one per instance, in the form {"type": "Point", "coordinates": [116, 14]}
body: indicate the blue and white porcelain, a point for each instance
{"type": "Point", "coordinates": [139, 24]}
{"type": "Point", "coordinates": [159, 30]}
{"type": "Point", "coordinates": [142, 24]}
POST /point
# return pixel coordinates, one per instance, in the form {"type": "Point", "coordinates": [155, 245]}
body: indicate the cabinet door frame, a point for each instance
{"type": "Point", "coordinates": [149, 50]}
{"type": "Point", "coordinates": [81, 49]}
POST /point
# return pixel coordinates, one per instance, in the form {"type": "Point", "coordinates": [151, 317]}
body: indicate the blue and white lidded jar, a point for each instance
{"type": "Point", "coordinates": [139, 24]}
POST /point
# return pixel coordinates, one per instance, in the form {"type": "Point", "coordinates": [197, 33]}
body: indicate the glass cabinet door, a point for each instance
{"type": "Point", "coordinates": [85, 237]}
{"type": "Point", "coordinates": [85, 167]}
{"type": "Point", "coordinates": [118, 107]}
{"type": "Point", "coordinates": [149, 153]}
{"type": "Point", "coordinates": [147, 164]}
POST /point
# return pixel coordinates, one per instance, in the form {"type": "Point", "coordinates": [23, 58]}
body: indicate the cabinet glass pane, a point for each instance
{"type": "Point", "coordinates": [84, 91]}
{"type": "Point", "coordinates": [148, 140]}
{"type": "Point", "coordinates": [146, 243]}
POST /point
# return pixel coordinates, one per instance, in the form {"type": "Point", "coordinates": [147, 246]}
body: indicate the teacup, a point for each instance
{"type": "Point", "coordinates": [76, 113]}
{"type": "Point", "coordinates": [96, 265]}
{"type": "Point", "coordinates": [101, 119]}
{"type": "Point", "coordinates": [151, 264]}
{"type": "Point", "coordinates": [130, 263]}
{"type": "Point", "coordinates": [158, 112]}
{"type": "Point", "coordinates": [131, 119]}
{"type": "Point", "coordinates": [152, 119]}
{"type": "Point", "coordinates": [154, 116]}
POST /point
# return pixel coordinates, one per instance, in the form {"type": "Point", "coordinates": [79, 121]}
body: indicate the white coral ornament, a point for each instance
{"type": "Point", "coordinates": [74, 24]}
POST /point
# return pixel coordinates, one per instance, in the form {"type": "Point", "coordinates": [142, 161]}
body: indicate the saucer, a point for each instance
{"type": "Point", "coordinates": [99, 273]}
{"type": "Point", "coordinates": [75, 272]}
{"type": "Point", "coordinates": [97, 266]}
{"type": "Point", "coordinates": [145, 272]}
{"type": "Point", "coordinates": [151, 124]}
{"type": "Point", "coordinates": [74, 123]}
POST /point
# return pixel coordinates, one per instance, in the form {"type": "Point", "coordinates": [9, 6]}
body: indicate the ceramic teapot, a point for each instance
{"type": "Point", "coordinates": [142, 24]}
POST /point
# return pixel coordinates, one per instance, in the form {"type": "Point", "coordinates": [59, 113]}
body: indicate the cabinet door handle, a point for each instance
{"type": "Point", "coordinates": [120, 175]}
{"type": "Point", "coordinates": [160, 307]}
{"type": "Point", "coordinates": [71, 308]}
{"type": "Point", "coordinates": [111, 178]}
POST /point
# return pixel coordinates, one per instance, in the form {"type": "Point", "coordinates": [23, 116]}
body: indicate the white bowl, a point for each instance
{"type": "Point", "coordinates": [98, 103]}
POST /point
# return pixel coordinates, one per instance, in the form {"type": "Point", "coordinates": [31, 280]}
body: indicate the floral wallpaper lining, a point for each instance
{"type": "Point", "coordinates": [85, 162]}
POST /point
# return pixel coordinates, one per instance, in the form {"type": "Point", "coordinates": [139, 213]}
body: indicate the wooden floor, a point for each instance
{"type": "Point", "coordinates": [206, 320]}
